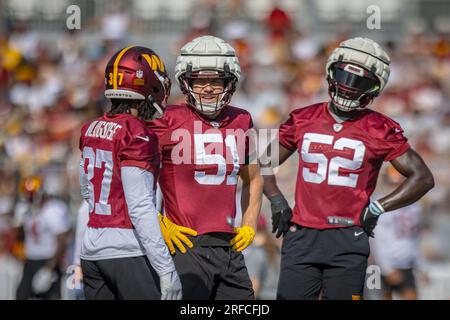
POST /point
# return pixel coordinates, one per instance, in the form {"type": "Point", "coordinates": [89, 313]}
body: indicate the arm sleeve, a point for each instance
{"type": "Point", "coordinates": [140, 198]}
{"type": "Point", "coordinates": [287, 136]}
{"type": "Point", "coordinates": [159, 199]}
{"type": "Point", "coordinates": [84, 186]}
{"type": "Point", "coordinates": [82, 221]}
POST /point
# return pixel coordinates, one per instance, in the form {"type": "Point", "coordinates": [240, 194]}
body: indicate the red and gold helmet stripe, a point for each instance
{"type": "Point", "coordinates": [116, 65]}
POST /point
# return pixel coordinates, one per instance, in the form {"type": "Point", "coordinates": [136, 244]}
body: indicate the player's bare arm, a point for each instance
{"type": "Point", "coordinates": [419, 181]}
{"type": "Point", "coordinates": [251, 199]}
{"type": "Point", "coordinates": [270, 182]}
{"type": "Point", "coordinates": [281, 212]}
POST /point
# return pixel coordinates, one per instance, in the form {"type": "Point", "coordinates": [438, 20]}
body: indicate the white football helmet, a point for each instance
{"type": "Point", "coordinates": [357, 71]}
{"type": "Point", "coordinates": [207, 57]}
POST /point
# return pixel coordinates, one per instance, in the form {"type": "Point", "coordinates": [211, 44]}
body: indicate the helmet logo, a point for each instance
{"type": "Point", "coordinates": [337, 127]}
{"type": "Point", "coordinates": [154, 62]}
{"type": "Point", "coordinates": [139, 74]}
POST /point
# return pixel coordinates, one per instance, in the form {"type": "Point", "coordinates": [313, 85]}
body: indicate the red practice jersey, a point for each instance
{"type": "Point", "coordinates": [107, 144]}
{"type": "Point", "coordinates": [338, 162]}
{"type": "Point", "coordinates": [201, 161]}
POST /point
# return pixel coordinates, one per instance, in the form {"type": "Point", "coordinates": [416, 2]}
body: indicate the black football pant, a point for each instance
{"type": "Point", "coordinates": [120, 279]}
{"type": "Point", "coordinates": [213, 273]}
{"type": "Point", "coordinates": [331, 262]}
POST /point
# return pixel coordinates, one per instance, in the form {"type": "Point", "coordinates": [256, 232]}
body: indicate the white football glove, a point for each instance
{"type": "Point", "coordinates": [170, 286]}
{"type": "Point", "coordinates": [43, 280]}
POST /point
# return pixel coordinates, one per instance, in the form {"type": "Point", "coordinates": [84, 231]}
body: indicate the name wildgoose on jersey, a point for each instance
{"type": "Point", "coordinates": [102, 129]}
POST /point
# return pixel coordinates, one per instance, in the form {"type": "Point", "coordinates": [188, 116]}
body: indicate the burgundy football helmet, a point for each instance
{"type": "Point", "coordinates": [138, 73]}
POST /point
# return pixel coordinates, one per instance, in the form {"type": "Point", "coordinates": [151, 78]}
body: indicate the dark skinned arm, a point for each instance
{"type": "Point", "coordinates": [281, 212]}
{"type": "Point", "coordinates": [270, 182]}
{"type": "Point", "coordinates": [419, 181]}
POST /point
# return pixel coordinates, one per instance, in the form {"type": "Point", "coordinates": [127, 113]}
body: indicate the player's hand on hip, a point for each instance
{"type": "Point", "coordinates": [281, 215]}
{"type": "Point", "coordinates": [175, 235]}
{"type": "Point", "coordinates": [244, 238]}
{"type": "Point", "coordinates": [170, 286]}
{"type": "Point", "coordinates": [369, 217]}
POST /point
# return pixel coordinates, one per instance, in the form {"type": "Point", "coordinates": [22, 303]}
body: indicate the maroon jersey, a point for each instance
{"type": "Point", "coordinates": [107, 144]}
{"type": "Point", "coordinates": [201, 161]}
{"type": "Point", "coordinates": [338, 162]}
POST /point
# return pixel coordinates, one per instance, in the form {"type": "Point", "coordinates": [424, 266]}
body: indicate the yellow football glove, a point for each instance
{"type": "Point", "coordinates": [244, 237]}
{"type": "Point", "coordinates": [174, 235]}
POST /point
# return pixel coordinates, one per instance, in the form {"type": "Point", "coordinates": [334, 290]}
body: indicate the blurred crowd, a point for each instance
{"type": "Point", "coordinates": [48, 89]}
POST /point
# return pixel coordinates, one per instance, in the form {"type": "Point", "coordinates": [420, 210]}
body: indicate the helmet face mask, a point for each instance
{"type": "Point", "coordinates": [351, 87]}
{"type": "Point", "coordinates": [357, 71]}
{"type": "Point", "coordinates": [221, 87]}
{"type": "Point", "coordinates": [209, 58]}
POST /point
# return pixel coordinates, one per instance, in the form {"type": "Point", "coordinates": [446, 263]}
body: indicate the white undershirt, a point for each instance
{"type": "Point", "coordinates": [144, 239]}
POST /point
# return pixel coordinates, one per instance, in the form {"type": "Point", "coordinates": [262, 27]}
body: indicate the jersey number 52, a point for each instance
{"type": "Point", "coordinates": [332, 166]}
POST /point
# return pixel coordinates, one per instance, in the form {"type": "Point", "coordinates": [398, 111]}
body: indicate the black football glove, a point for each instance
{"type": "Point", "coordinates": [369, 217]}
{"type": "Point", "coordinates": [281, 215]}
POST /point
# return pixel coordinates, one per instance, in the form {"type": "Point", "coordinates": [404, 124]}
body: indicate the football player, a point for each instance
{"type": "Point", "coordinates": [342, 145]}
{"type": "Point", "coordinates": [205, 147]}
{"type": "Point", "coordinates": [46, 226]}
{"type": "Point", "coordinates": [123, 254]}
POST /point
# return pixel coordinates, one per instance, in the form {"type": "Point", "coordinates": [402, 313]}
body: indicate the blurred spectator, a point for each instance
{"type": "Point", "coordinates": [279, 23]}
{"type": "Point", "coordinates": [115, 22]}
{"type": "Point", "coordinates": [45, 222]}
